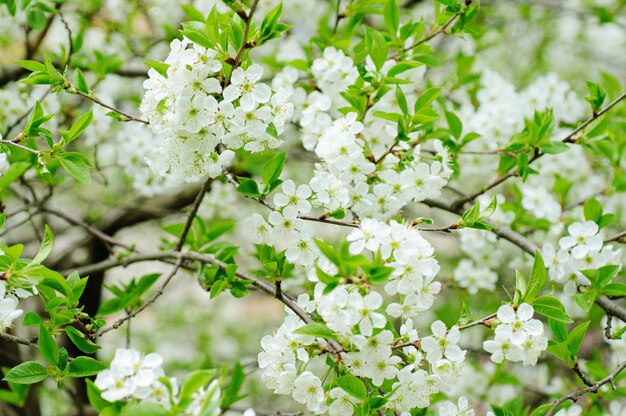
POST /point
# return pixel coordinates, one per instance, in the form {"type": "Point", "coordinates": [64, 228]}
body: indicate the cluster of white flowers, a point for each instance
{"type": "Point", "coordinates": [462, 408]}
{"type": "Point", "coordinates": [334, 72]}
{"type": "Point", "coordinates": [130, 375]}
{"type": "Point", "coordinates": [502, 108]}
{"type": "Point", "coordinates": [411, 257]}
{"type": "Point", "coordinates": [539, 201]}
{"type": "Point", "coordinates": [285, 226]}
{"type": "Point", "coordinates": [133, 376]}
{"type": "Point", "coordinates": [344, 178]}
{"type": "Point", "coordinates": [192, 115]}
{"type": "Point", "coordinates": [359, 321]}
{"type": "Point", "coordinates": [581, 249]}
{"type": "Point", "coordinates": [518, 337]}
{"type": "Point", "coordinates": [473, 278]}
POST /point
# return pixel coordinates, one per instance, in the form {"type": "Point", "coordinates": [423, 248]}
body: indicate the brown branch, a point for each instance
{"type": "Point", "coordinates": [17, 340]}
{"type": "Point", "coordinates": [89, 228]}
{"type": "Point", "coordinates": [618, 238]}
{"type": "Point", "coordinates": [244, 41]}
{"type": "Point", "coordinates": [149, 302]}
{"type": "Point", "coordinates": [92, 97]}
{"type": "Point", "coordinates": [432, 35]}
{"type": "Point", "coordinates": [610, 379]}
{"type": "Point", "coordinates": [531, 248]}
{"type": "Point", "coordinates": [570, 138]}
{"type": "Point", "coordinates": [192, 214]}
{"type": "Point", "coordinates": [485, 321]}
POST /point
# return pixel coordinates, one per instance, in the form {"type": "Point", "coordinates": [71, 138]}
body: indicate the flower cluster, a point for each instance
{"type": "Point", "coordinates": [411, 257]}
{"type": "Point", "coordinates": [133, 376]}
{"type": "Point", "coordinates": [360, 323]}
{"type": "Point", "coordinates": [518, 337]}
{"type": "Point", "coordinates": [130, 375]}
{"type": "Point", "coordinates": [192, 114]}
{"type": "Point", "coordinates": [286, 226]}
{"type": "Point", "coordinates": [581, 249]}
{"type": "Point", "coordinates": [473, 278]}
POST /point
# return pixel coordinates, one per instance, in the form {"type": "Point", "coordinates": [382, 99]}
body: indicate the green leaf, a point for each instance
{"type": "Point", "coordinates": [32, 66]}
{"type": "Point", "coordinates": [559, 330]}
{"type": "Point", "coordinates": [94, 396]}
{"type": "Point", "coordinates": [48, 346]}
{"type": "Point", "coordinates": [79, 127]}
{"type": "Point", "coordinates": [46, 246]}
{"type": "Point", "coordinates": [31, 319]}
{"type": "Point", "coordinates": [193, 13]}
{"type": "Point", "coordinates": [426, 98]}
{"type": "Point", "coordinates": [77, 165]}
{"type": "Point", "coordinates": [542, 410]}
{"type": "Point", "coordinates": [248, 187]}
{"type": "Point", "coordinates": [576, 336]}
{"type": "Point", "coordinates": [192, 383]}
{"type": "Point", "coordinates": [79, 339]}
{"type": "Point", "coordinates": [273, 168]}
{"type": "Point", "coordinates": [84, 367]}
{"type": "Point", "coordinates": [231, 395]}
{"type": "Point", "coordinates": [401, 99]}
{"type": "Point", "coordinates": [454, 124]}
{"type": "Point", "coordinates": [28, 372]}
{"type": "Point", "coordinates": [615, 289]}
{"type": "Point", "coordinates": [316, 329]}
{"type": "Point", "coordinates": [160, 67]}
{"type": "Point", "coordinates": [376, 47]}
{"type": "Point", "coordinates": [328, 251]}
{"type": "Point", "coordinates": [520, 286]}
{"type": "Point", "coordinates": [144, 409]}
{"type": "Point", "coordinates": [596, 96]}
{"type": "Point", "coordinates": [552, 308]}
{"type": "Point", "coordinates": [592, 210]}
{"type": "Point", "coordinates": [81, 82]}
{"type": "Point", "coordinates": [353, 386]}
{"type": "Point", "coordinates": [537, 278]}
{"type": "Point", "coordinates": [392, 16]}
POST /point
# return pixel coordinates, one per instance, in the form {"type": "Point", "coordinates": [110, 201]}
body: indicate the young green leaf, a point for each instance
{"type": "Point", "coordinates": [46, 246]}
{"type": "Point", "coordinates": [79, 339]}
{"type": "Point", "coordinates": [537, 278]}
{"type": "Point", "coordinates": [28, 372]}
{"type": "Point", "coordinates": [316, 330]}
{"type": "Point", "coordinates": [84, 367]}
{"type": "Point", "coordinates": [353, 386]}
{"type": "Point", "coordinates": [376, 47]}
{"type": "Point", "coordinates": [392, 16]}
{"type": "Point", "coordinates": [273, 168]}
{"type": "Point", "coordinates": [76, 165]}
{"type": "Point", "coordinates": [552, 308]}
{"type": "Point", "coordinates": [47, 346]}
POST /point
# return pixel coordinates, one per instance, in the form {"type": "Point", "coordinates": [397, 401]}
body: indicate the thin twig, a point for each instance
{"type": "Point", "coordinates": [89, 228]}
{"type": "Point", "coordinates": [32, 342]}
{"type": "Point", "coordinates": [618, 238]}
{"type": "Point", "coordinates": [149, 302]}
{"type": "Point", "coordinates": [92, 97]}
{"type": "Point", "coordinates": [486, 321]}
{"type": "Point", "coordinates": [19, 146]}
{"type": "Point", "coordinates": [610, 379]}
{"type": "Point", "coordinates": [570, 138]}
{"type": "Point", "coordinates": [192, 213]}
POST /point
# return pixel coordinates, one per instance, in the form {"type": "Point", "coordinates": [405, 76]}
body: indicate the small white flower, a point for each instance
{"type": "Point", "coordinates": [583, 238]}
{"type": "Point", "coordinates": [443, 343]}
{"type": "Point", "coordinates": [519, 325]}
{"type": "Point", "coordinates": [292, 196]}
